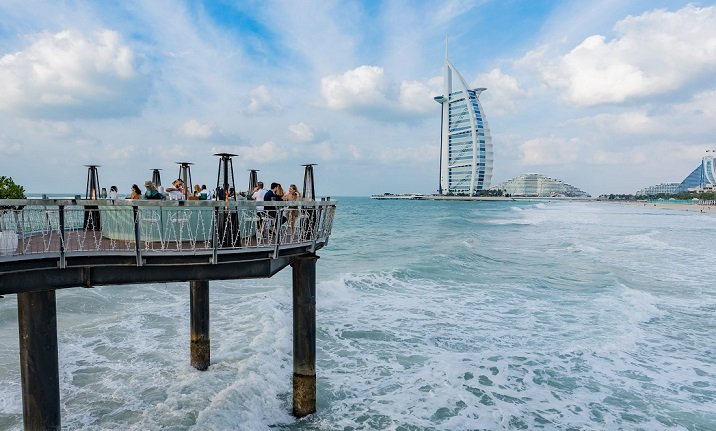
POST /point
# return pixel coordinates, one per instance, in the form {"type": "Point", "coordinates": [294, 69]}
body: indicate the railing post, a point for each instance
{"type": "Point", "coordinates": [200, 351]}
{"type": "Point", "coordinates": [62, 236]}
{"type": "Point", "coordinates": [37, 322]}
{"type": "Point", "coordinates": [277, 227]}
{"type": "Point", "coordinates": [137, 237]}
{"type": "Point", "coordinates": [304, 335]}
{"type": "Point", "coordinates": [215, 236]}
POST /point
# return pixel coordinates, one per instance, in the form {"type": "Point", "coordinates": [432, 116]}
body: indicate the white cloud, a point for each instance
{"type": "Point", "coordinates": [503, 91]}
{"type": "Point", "coordinates": [653, 53]}
{"type": "Point", "coordinates": [406, 155]}
{"type": "Point", "coordinates": [355, 152]}
{"type": "Point", "coordinates": [417, 96]}
{"type": "Point", "coordinates": [448, 10]}
{"type": "Point", "coordinates": [72, 75]}
{"type": "Point", "coordinates": [301, 132]}
{"type": "Point", "coordinates": [692, 117]}
{"type": "Point", "coordinates": [551, 150]}
{"type": "Point", "coordinates": [262, 100]}
{"type": "Point", "coordinates": [268, 151]}
{"type": "Point", "coordinates": [8, 148]}
{"type": "Point", "coordinates": [367, 91]}
{"type": "Point", "coordinates": [362, 86]}
{"type": "Point", "coordinates": [195, 129]}
{"type": "Point", "coordinates": [633, 122]}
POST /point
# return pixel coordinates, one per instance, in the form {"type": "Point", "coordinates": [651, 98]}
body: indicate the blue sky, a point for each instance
{"type": "Point", "coordinates": [609, 96]}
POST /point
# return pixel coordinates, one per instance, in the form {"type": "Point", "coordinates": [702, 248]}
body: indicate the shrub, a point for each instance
{"type": "Point", "coordinates": [10, 190]}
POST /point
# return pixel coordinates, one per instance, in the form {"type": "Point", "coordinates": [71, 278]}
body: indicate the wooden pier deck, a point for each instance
{"type": "Point", "coordinates": [83, 243]}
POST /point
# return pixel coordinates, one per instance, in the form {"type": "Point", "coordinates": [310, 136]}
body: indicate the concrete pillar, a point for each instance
{"type": "Point", "coordinates": [200, 350]}
{"type": "Point", "coordinates": [304, 335]}
{"type": "Point", "coordinates": [37, 321]}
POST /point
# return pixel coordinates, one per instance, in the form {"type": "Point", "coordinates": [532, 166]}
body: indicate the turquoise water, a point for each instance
{"type": "Point", "coordinates": [431, 315]}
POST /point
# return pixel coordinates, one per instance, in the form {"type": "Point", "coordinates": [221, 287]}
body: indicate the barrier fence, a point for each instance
{"type": "Point", "coordinates": [31, 227]}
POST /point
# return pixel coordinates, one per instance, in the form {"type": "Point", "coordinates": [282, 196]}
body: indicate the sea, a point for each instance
{"type": "Point", "coordinates": [431, 315]}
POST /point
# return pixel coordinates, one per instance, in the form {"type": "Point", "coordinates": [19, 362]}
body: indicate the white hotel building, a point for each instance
{"type": "Point", "coordinates": [465, 143]}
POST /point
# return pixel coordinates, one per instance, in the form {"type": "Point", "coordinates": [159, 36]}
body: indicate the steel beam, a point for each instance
{"type": "Point", "coordinates": [37, 321]}
{"type": "Point", "coordinates": [200, 351]}
{"type": "Point", "coordinates": [304, 334]}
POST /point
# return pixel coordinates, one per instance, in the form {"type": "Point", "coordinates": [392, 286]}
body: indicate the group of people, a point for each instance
{"type": "Point", "coordinates": [175, 192]}
{"type": "Point", "coordinates": [276, 193]}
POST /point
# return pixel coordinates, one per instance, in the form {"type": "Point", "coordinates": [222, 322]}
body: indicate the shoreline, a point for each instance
{"type": "Point", "coordinates": [705, 209]}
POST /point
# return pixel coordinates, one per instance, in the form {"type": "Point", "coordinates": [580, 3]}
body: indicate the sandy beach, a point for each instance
{"type": "Point", "coordinates": [709, 209]}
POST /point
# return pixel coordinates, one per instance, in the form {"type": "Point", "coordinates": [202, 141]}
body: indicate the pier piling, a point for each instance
{"type": "Point", "coordinates": [200, 349]}
{"type": "Point", "coordinates": [304, 335]}
{"type": "Point", "coordinates": [37, 321]}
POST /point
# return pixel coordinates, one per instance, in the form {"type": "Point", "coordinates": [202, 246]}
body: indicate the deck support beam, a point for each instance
{"type": "Point", "coordinates": [37, 322]}
{"type": "Point", "coordinates": [200, 349]}
{"type": "Point", "coordinates": [304, 335]}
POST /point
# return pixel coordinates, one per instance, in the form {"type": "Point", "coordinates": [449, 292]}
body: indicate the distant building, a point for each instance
{"type": "Point", "coordinates": [702, 176]}
{"type": "Point", "coordinates": [536, 185]}
{"type": "Point", "coordinates": [659, 189]}
{"type": "Point", "coordinates": [465, 142]}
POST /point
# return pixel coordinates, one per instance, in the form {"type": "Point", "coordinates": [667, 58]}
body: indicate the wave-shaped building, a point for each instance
{"type": "Point", "coordinates": [465, 143]}
{"type": "Point", "coordinates": [703, 175]}
{"type": "Point", "coordinates": [536, 185]}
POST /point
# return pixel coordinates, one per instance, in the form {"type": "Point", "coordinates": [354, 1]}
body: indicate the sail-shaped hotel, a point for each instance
{"type": "Point", "coordinates": [465, 143]}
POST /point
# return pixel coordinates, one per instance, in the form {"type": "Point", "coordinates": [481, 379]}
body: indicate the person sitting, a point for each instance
{"type": "Point", "coordinates": [135, 192]}
{"type": "Point", "coordinates": [195, 194]}
{"type": "Point", "coordinates": [112, 193]}
{"type": "Point", "coordinates": [176, 193]}
{"type": "Point", "coordinates": [273, 195]}
{"type": "Point", "coordinates": [152, 192]}
{"type": "Point", "coordinates": [204, 193]}
{"type": "Point", "coordinates": [292, 195]}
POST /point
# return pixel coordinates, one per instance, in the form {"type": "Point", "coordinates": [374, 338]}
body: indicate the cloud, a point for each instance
{"type": "Point", "coordinates": [416, 96]}
{"type": "Point", "coordinates": [503, 91]}
{"type": "Point", "coordinates": [406, 155]}
{"type": "Point", "coordinates": [696, 116]}
{"type": "Point", "coordinates": [448, 10]}
{"type": "Point", "coordinates": [72, 75]}
{"type": "Point", "coordinates": [268, 151]}
{"type": "Point", "coordinates": [653, 53]}
{"type": "Point", "coordinates": [551, 150]}
{"type": "Point", "coordinates": [195, 129]}
{"type": "Point", "coordinates": [363, 86]}
{"type": "Point", "coordinates": [261, 100]}
{"type": "Point", "coordinates": [301, 132]}
{"type": "Point", "coordinates": [366, 90]}
{"type": "Point", "coordinates": [9, 147]}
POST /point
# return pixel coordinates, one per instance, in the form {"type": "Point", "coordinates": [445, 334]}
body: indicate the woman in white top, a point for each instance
{"type": "Point", "coordinates": [176, 193]}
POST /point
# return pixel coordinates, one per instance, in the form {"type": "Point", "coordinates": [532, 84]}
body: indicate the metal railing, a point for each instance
{"type": "Point", "coordinates": [72, 227]}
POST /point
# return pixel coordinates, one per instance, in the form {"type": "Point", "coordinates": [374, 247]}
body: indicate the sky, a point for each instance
{"type": "Point", "coordinates": [607, 95]}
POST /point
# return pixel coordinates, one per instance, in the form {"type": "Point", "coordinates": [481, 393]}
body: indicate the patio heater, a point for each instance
{"type": "Point", "coordinates": [185, 175]}
{"type": "Point", "coordinates": [91, 214]}
{"type": "Point", "coordinates": [226, 219]}
{"type": "Point", "coordinates": [225, 176]}
{"type": "Point", "coordinates": [309, 188]}
{"type": "Point", "coordinates": [92, 182]}
{"type": "Point", "coordinates": [253, 180]}
{"type": "Point", "coordinates": [156, 178]}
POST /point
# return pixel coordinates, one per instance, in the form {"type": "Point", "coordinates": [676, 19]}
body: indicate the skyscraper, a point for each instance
{"type": "Point", "coordinates": [465, 143]}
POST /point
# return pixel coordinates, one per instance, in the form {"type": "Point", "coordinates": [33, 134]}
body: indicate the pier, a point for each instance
{"type": "Point", "coordinates": [51, 244]}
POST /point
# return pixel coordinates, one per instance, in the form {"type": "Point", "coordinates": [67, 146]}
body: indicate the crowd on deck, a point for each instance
{"type": "Point", "coordinates": [177, 191]}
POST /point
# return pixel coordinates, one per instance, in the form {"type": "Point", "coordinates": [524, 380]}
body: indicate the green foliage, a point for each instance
{"type": "Point", "coordinates": [684, 196]}
{"type": "Point", "coordinates": [10, 190]}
